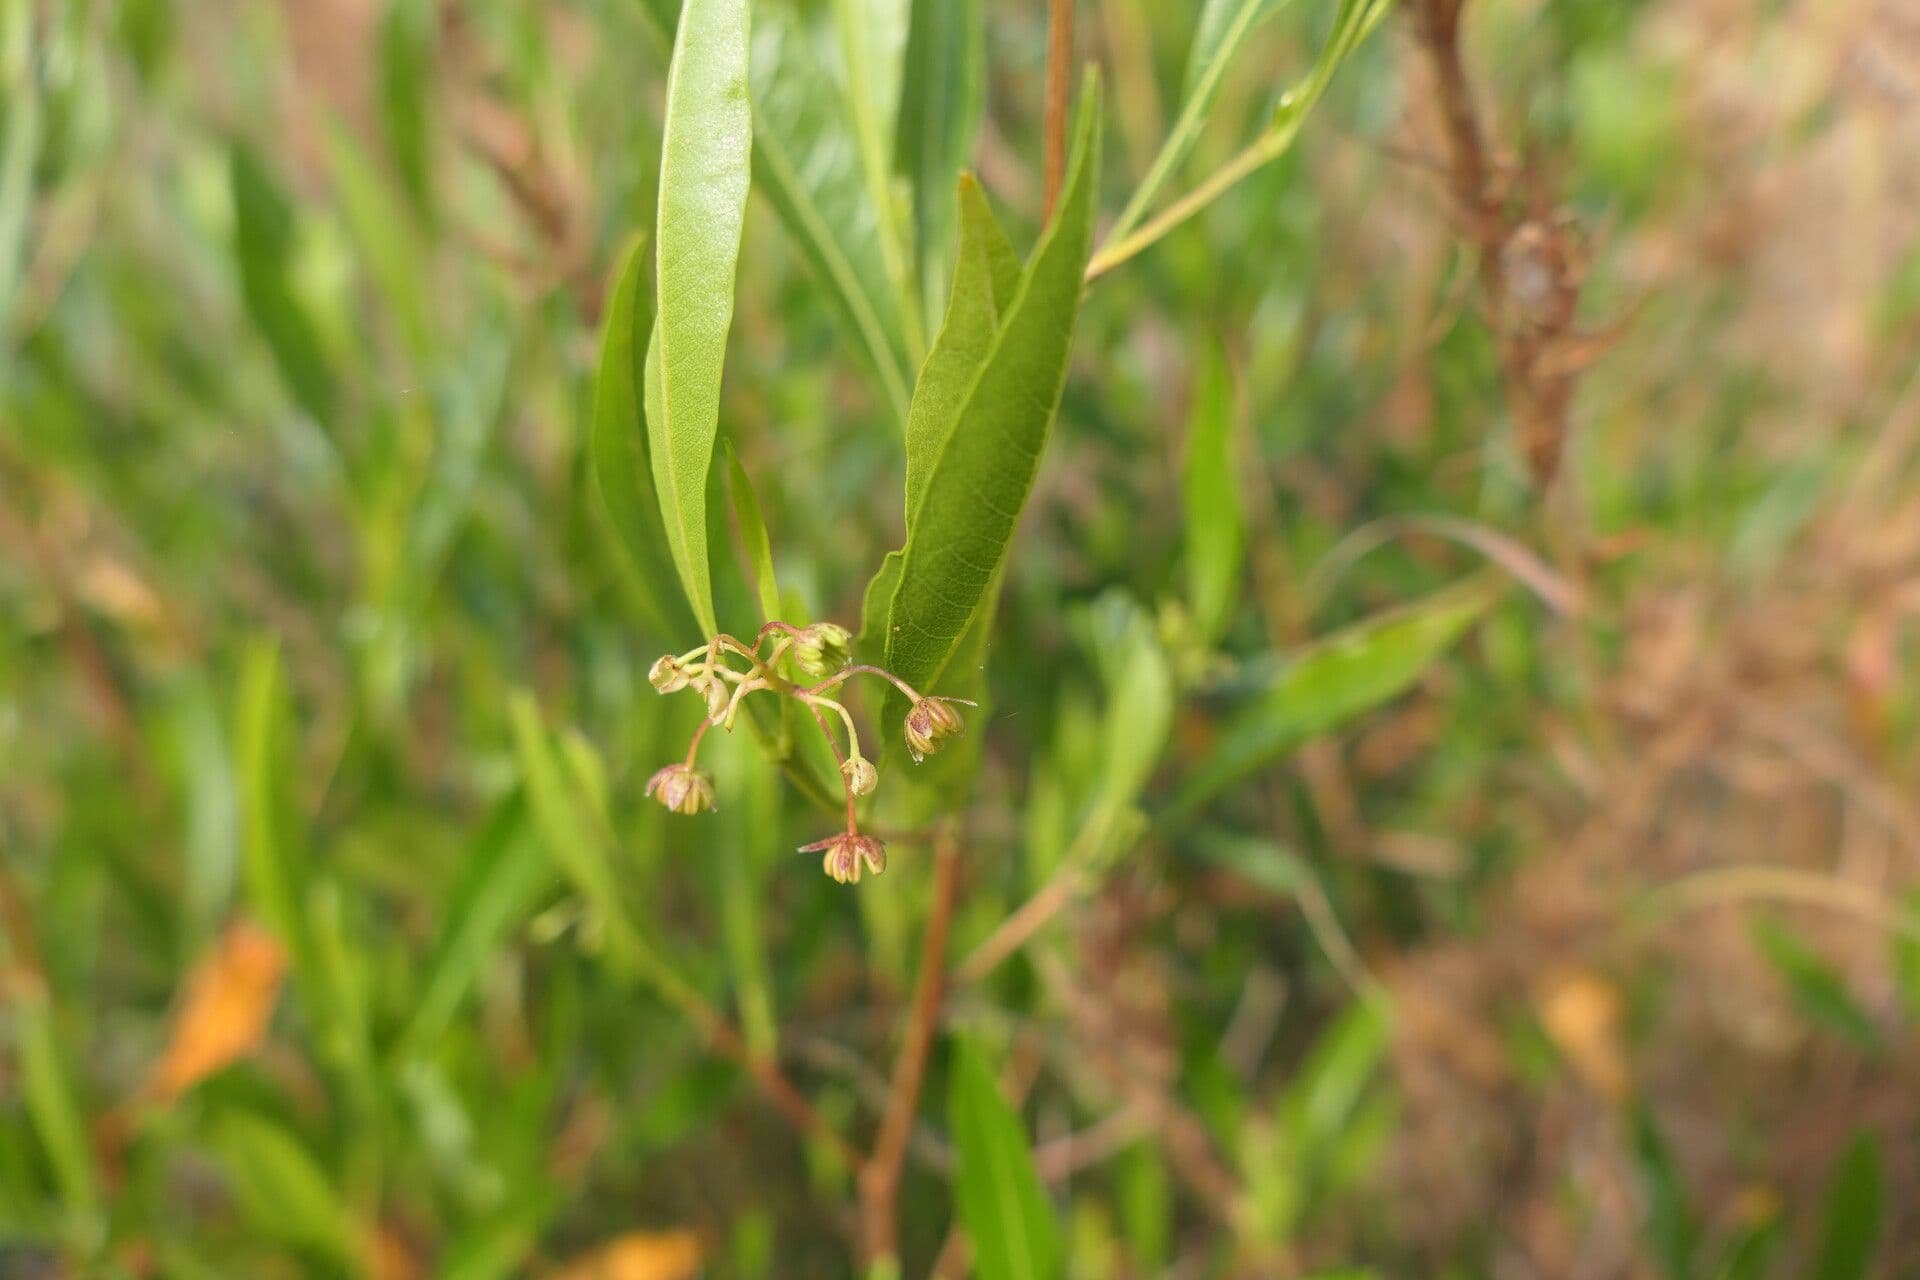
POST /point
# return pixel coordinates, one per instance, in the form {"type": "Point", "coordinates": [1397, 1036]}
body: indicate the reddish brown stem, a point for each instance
{"type": "Point", "coordinates": [1059, 77]}
{"type": "Point", "coordinates": [880, 1181]}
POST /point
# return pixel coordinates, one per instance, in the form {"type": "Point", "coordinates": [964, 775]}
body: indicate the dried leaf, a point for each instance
{"type": "Point", "coordinates": [638, 1255]}
{"type": "Point", "coordinates": [223, 1013]}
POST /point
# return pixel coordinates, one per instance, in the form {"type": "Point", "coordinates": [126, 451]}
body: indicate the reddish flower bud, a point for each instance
{"type": "Point", "coordinates": [930, 720]}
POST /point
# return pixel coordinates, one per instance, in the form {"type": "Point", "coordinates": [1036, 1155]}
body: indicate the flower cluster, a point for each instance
{"type": "Point", "coordinates": [725, 672]}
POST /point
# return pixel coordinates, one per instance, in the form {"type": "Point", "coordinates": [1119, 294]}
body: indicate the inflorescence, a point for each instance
{"type": "Point", "coordinates": [823, 653]}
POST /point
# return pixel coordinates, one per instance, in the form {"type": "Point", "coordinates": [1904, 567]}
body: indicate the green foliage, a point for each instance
{"type": "Point", "coordinates": [705, 150]}
{"type": "Point", "coordinates": [994, 431]}
{"type": "Point", "coordinates": [364, 376]}
{"type": "Point", "coordinates": [998, 1193]}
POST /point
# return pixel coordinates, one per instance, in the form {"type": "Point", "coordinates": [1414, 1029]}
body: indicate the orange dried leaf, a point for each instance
{"type": "Point", "coordinates": [638, 1255]}
{"type": "Point", "coordinates": [222, 1014]}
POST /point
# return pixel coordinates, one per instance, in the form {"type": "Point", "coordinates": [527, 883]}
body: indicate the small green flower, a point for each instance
{"type": "Point", "coordinates": [822, 649]}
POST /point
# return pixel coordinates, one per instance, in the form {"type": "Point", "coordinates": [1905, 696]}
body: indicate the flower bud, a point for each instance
{"type": "Point", "coordinates": [847, 854]}
{"type": "Point", "coordinates": [930, 720]}
{"type": "Point", "coordinates": [667, 675]}
{"type": "Point", "coordinates": [861, 776]}
{"type": "Point", "coordinates": [822, 649]}
{"type": "Point", "coordinates": [682, 788]}
{"type": "Point", "coordinates": [715, 691]}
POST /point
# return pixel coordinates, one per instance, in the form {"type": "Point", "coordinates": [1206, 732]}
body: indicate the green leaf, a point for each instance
{"type": "Point", "coordinates": [1215, 525]}
{"type": "Point", "coordinates": [986, 274]}
{"type": "Point", "coordinates": [1819, 992]}
{"type": "Point", "coordinates": [273, 856]}
{"type": "Point", "coordinates": [1851, 1228]}
{"type": "Point", "coordinates": [1341, 677]}
{"type": "Point", "coordinates": [20, 138]}
{"type": "Point", "coordinates": [806, 162]}
{"type": "Point", "coordinates": [873, 37]}
{"type": "Point", "coordinates": [1223, 28]}
{"type": "Point", "coordinates": [1327, 1088]}
{"type": "Point", "coordinates": [407, 33]}
{"type": "Point", "coordinates": [50, 1094]}
{"type": "Point", "coordinates": [576, 834]}
{"type": "Point", "coordinates": [279, 1185]}
{"type": "Point", "coordinates": [705, 152]}
{"type": "Point", "coordinates": [1670, 1225]}
{"type": "Point", "coordinates": [622, 472]}
{"type": "Point", "coordinates": [999, 1196]}
{"type": "Point", "coordinates": [1139, 717]}
{"type": "Point", "coordinates": [753, 537]}
{"type": "Point", "coordinates": [389, 246]}
{"type": "Point", "coordinates": [942, 93]}
{"type": "Point", "coordinates": [501, 879]}
{"type": "Point", "coordinates": [263, 241]}
{"type": "Point", "coordinates": [1750, 1253]}
{"type": "Point", "coordinates": [958, 532]}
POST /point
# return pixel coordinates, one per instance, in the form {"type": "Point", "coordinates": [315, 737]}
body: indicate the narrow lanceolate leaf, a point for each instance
{"type": "Point", "coordinates": [1343, 676]}
{"type": "Point", "coordinates": [622, 470]}
{"type": "Point", "coordinates": [1223, 28]}
{"type": "Point", "coordinates": [1851, 1231]}
{"type": "Point", "coordinates": [705, 153]}
{"type": "Point", "coordinates": [263, 242]}
{"type": "Point", "coordinates": [280, 1187]}
{"type": "Point", "coordinates": [1216, 532]}
{"type": "Point", "coordinates": [959, 528]}
{"type": "Point", "coordinates": [986, 274]}
{"type": "Point", "coordinates": [272, 852]}
{"type": "Point", "coordinates": [806, 162]}
{"type": "Point", "coordinates": [941, 95]}
{"type": "Point", "coordinates": [1000, 1198]}
{"type": "Point", "coordinates": [754, 541]}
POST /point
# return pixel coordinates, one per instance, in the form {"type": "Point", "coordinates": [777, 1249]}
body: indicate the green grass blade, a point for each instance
{"type": "Point", "coordinates": [1000, 1199]}
{"type": "Point", "coordinates": [1215, 524]}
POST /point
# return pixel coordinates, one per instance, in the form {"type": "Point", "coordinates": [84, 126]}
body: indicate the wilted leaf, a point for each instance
{"type": "Point", "coordinates": [1000, 1199]}
{"type": "Point", "coordinates": [223, 1012]}
{"type": "Point", "coordinates": [638, 1255]}
{"type": "Point", "coordinates": [705, 155]}
{"type": "Point", "coordinates": [1582, 1015]}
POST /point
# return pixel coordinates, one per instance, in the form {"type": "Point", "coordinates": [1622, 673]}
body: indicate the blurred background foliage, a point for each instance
{"type": "Point", "coordinates": [1555, 918]}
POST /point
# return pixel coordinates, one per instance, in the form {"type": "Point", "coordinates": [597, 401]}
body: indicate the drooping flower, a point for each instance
{"type": "Point", "coordinates": [667, 675]}
{"type": "Point", "coordinates": [930, 720]}
{"type": "Point", "coordinates": [682, 788]}
{"type": "Point", "coordinates": [861, 776]}
{"type": "Point", "coordinates": [846, 854]}
{"type": "Point", "coordinates": [822, 649]}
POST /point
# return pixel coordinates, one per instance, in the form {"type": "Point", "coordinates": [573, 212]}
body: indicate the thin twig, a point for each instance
{"type": "Point", "coordinates": [1059, 77]}
{"type": "Point", "coordinates": [880, 1179]}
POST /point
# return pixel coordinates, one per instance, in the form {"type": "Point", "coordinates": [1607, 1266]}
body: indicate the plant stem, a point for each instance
{"type": "Point", "coordinates": [880, 1178]}
{"type": "Point", "coordinates": [1059, 77]}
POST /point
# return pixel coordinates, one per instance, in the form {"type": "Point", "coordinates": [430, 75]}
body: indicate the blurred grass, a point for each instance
{"type": "Point", "coordinates": [310, 620]}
